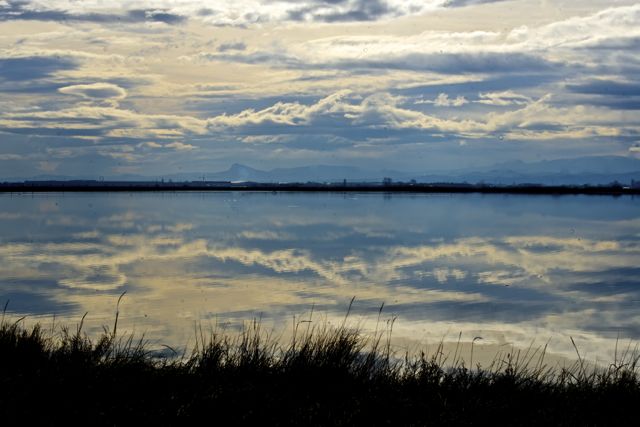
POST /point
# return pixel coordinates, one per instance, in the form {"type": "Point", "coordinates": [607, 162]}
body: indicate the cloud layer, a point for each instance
{"type": "Point", "coordinates": [377, 84]}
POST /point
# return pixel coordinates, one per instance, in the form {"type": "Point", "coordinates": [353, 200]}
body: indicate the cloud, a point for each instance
{"type": "Point", "coordinates": [589, 31]}
{"type": "Point", "coordinates": [606, 87]}
{"type": "Point", "coordinates": [231, 46]}
{"type": "Point", "coordinates": [457, 63]}
{"type": "Point", "coordinates": [96, 91]}
{"type": "Point", "coordinates": [287, 113]}
{"type": "Point", "coordinates": [106, 121]}
{"type": "Point", "coordinates": [180, 146]}
{"type": "Point", "coordinates": [610, 93]}
{"type": "Point", "coordinates": [551, 51]}
{"type": "Point", "coordinates": [278, 59]}
{"type": "Point", "coordinates": [173, 146]}
{"type": "Point", "coordinates": [503, 98]}
{"type": "Point", "coordinates": [48, 166]}
{"type": "Point", "coordinates": [30, 68]}
{"type": "Point", "coordinates": [389, 60]}
{"type": "Point", "coordinates": [154, 15]}
{"type": "Point", "coordinates": [266, 95]}
{"type": "Point", "coordinates": [150, 144]}
{"type": "Point", "coordinates": [538, 119]}
{"type": "Point", "coordinates": [22, 10]}
{"type": "Point", "coordinates": [443, 100]}
{"type": "Point", "coordinates": [523, 49]}
{"type": "Point", "coordinates": [464, 3]}
{"type": "Point", "coordinates": [38, 69]}
{"type": "Point", "coordinates": [240, 13]}
{"type": "Point", "coordinates": [342, 11]}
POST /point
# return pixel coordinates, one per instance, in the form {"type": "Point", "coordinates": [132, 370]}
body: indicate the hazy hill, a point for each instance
{"type": "Point", "coordinates": [239, 172]}
{"type": "Point", "coordinates": [584, 170]}
{"type": "Point", "coordinates": [576, 171]}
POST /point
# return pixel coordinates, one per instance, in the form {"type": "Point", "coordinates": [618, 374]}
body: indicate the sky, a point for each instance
{"type": "Point", "coordinates": [152, 87]}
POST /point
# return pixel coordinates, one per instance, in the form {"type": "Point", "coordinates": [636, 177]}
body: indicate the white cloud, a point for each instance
{"type": "Point", "coordinates": [581, 31]}
{"type": "Point", "coordinates": [180, 146]}
{"type": "Point", "coordinates": [520, 49]}
{"type": "Point", "coordinates": [537, 120]}
{"type": "Point", "coordinates": [503, 98]}
{"type": "Point", "coordinates": [98, 91]}
{"type": "Point", "coordinates": [48, 166]}
{"type": "Point", "coordinates": [150, 144]}
{"type": "Point", "coordinates": [174, 146]}
{"type": "Point", "coordinates": [287, 113]}
{"type": "Point", "coordinates": [443, 100]}
{"type": "Point", "coordinates": [115, 122]}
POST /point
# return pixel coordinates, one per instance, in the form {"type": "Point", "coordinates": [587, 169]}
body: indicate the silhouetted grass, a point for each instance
{"type": "Point", "coordinates": [323, 376]}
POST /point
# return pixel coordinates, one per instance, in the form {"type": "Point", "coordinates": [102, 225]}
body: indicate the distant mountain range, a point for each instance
{"type": "Point", "coordinates": [322, 173]}
{"type": "Point", "coordinates": [584, 170]}
{"type": "Point", "coordinates": [576, 171]}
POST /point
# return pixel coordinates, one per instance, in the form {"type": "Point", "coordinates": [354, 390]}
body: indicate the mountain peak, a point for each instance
{"type": "Point", "coordinates": [239, 167]}
{"type": "Point", "coordinates": [240, 172]}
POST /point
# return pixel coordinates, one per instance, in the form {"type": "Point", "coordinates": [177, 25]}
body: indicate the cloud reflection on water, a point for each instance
{"type": "Point", "coordinates": [484, 266]}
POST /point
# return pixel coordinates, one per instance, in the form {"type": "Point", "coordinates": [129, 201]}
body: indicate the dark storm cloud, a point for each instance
{"type": "Point", "coordinates": [445, 63]}
{"type": "Point", "coordinates": [617, 95]}
{"type": "Point", "coordinates": [33, 68]}
{"type": "Point", "coordinates": [622, 280]}
{"type": "Point", "coordinates": [358, 10]}
{"type": "Point", "coordinates": [19, 10]}
{"type": "Point", "coordinates": [315, 10]}
{"type": "Point", "coordinates": [617, 104]}
{"type": "Point", "coordinates": [473, 88]}
{"type": "Point", "coordinates": [614, 44]}
{"type": "Point", "coordinates": [41, 131]}
{"type": "Point", "coordinates": [231, 46]}
{"type": "Point", "coordinates": [463, 3]}
{"type": "Point", "coordinates": [330, 127]}
{"type": "Point", "coordinates": [606, 87]}
{"type": "Point", "coordinates": [462, 63]}
{"type": "Point", "coordinates": [276, 59]}
{"type": "Point", "coordinates": [141, 15]}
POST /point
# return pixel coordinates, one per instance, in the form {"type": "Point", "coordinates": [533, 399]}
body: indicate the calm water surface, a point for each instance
{"type": "Point", "coordinates": [509, 269]}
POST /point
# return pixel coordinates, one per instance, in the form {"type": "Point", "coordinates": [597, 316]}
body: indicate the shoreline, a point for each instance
{"type": "Point", "coordinates": [400, 188]}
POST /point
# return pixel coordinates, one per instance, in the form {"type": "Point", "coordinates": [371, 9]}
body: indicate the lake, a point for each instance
{"type": "Point", "coordinates": [513, 270]}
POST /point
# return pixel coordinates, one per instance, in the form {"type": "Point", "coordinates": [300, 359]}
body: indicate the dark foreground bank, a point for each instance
{"type": "Point", "coordinates": [314, 187]}
{"type": "Point", "coordinates": [327, 377]}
